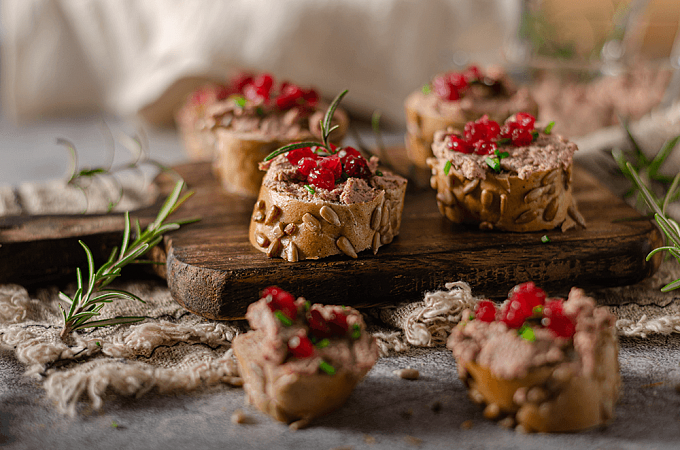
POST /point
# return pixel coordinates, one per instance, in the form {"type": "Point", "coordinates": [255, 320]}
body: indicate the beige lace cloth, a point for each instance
{"type": "Point", "coordinates": [176, 351]}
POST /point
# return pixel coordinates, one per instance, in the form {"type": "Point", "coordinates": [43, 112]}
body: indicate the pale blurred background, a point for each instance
{"type": "Point", "coordinates": [68, 66]}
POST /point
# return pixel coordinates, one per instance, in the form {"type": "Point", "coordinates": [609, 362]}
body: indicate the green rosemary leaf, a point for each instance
{"type": "Point", "coordinates": [671, 286]}
{"type": "Point", "coordinates": [310, 189]}
{"type": "Point", "coordinates": [670, 193]}
{"type": "Point", "coordinates": [548, 128]}
{"type": "Point", "coordinates": [119, 320]}
{"type": "Point", "coordinates": [642, 160]}
{"type": "Point", "coordinates": [126, 234]}
{"type": "Point", "coordinates": [447, 167]}
{"type": "Point", "coordinates": [669, 230]}
{"type": "Point", "coordinates": [117, 293]}
{"type": "Point", "coordinates": [167, 205]}
{"type": "Point", "coordinates": [65, 298]}
{"type": "Point", "coordinates": [661, 157]}
{"type": "Point", "coordinates": [288, 148]}
{"type": "Point", "coordinates": [328, 118]}
{"type": "Point", "coordinates": [660, 249]}
{"type": "Point", "coordinates": [651, 200]}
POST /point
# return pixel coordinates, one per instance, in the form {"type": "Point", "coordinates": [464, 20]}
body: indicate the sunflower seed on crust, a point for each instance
{"type": "Point", "coordinates": [274, 248]}
{"type": "Point", "coordinates": [550, 178]}
{"type": "Point", "coordinates": [346, 247]}
{"type": "Point", "coordinates": [262, 240]}
{"type": "Point", "coordinates": [292, 253]}
{"type": "Point", "coordinates": [376, 217]}
{"type": "Point", "coordinates": [385, 219]}
{"type": "Point", "coordinates": [376, 242]}
{"type": "Point", "coordinates": [574, 214]}
{"type": "Point", "coordinates": [312, 222]}
{"type": "Point", "coordinates": [469, 187]}
{"type": "Point", "coordinates": [526, 216]}
{"type": "Point", "coordinates": [290, 229]}
{"type": "Point", "coordinates": [273, 214]}
{"type": "Point", "coordinates": [550, 210]}
{"type": "Point", "coordinates": [329, 215]}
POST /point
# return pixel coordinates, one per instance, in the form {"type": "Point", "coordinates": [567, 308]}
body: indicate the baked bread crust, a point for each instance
{"type": "Point", "coordinates": [284, 225]}
{"type": "Point", "coordinates": [424, 119]}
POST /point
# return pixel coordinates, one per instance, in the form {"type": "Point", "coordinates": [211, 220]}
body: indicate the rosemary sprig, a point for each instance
{"type": "Point", "coordinates": [668, 226]}
{"type": "Point", "coordinates": [648, 170]}
{"type": "Point", "coordinates": [323, 149]}
{"type": "Point", "coordinates": [91, 297]}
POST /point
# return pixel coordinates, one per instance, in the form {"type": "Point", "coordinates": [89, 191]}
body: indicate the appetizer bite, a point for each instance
{"type": "Point", "coordinates": [302, 360]}
{"type": "Point", "coordinates": [238, 124]}
{"type": "Point", "coordinates": [543, 365]}
{"type": "Point", "coordinates": [452, 99]}
{"type": "Point", "coordinates": [319, 200]}
{"type": "Point", "coordinates": [512, 177]}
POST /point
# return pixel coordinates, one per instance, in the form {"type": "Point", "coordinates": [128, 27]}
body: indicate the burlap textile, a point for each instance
{"type": "Point", "coordinates": [176, 351]}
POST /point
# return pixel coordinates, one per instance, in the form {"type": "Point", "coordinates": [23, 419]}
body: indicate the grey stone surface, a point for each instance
{"type": "Point", "coordinates": [385, 412]}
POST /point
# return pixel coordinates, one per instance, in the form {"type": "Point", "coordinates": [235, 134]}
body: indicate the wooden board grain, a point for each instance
{"type": "Point", "coordinates": [213, 271]}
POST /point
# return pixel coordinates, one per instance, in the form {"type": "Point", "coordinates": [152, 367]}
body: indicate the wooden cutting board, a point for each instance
{"type": "Point", "coordinates": [213, 271]}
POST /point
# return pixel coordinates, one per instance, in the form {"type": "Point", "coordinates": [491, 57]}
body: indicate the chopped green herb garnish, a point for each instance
{"type": "Point", "coordinates": [426, 89]}
{"type": "Point", "coordinates": [259, 111]}
{"type": "Point", "coordinates": [310, 189]}
{"type": "Point", "coordinates": [114, 424]}
{"type": "Point", "coordinates": [447, 167]}
{"type": "Point", "coordinates": [323, 343]}
{"type": "Point", "coordinates": [356, 331]}
{"type": "Point", "coordinates": [495, 161]}
{"type": "Point", "coordinates": [504, 141]}
{"type": "Point", "coordinates": [527, 333]}
{"type": "Point", "coordinates": [538, 310]}
{"type": "Point", "coordinates": [548, 128]}
{"type": "Point", "coordinates": [378, 173]}
{"type": "Point", "coordinates": [97, 343]}
{"type": "Point", "coordinates": [308, 305]}
{"type": "Point", "coordinates": [545, 239]}
{"type": "Point", "coordinates": [283, 318]}
{"type": "Point", "coordinates": [534, 134]}
{"type": "Point", "coordinates": [330, 370]}
{"type": "Point", "coordinates": [240, 101]}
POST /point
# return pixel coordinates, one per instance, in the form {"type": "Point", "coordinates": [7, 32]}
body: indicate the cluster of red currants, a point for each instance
{"type": "Point", "coordinates": [325, 171]}
{"type": "Point", "coordinates": [261, 90]}
{"type": "Point", "coordinates": [483, 136]}
{"type": "Point", "coordinates": [452, 85]}
{"type": "Point", "coordinates": [526, 302]}
{"type": "Point", "coordinates": [320, 328]}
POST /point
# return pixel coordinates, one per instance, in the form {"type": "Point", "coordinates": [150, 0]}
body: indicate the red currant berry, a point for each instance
{"type": "Point", "coordinates": [513, 315]}
{"type": "Point", "coordinates": [472, 73]}
{"type": "Point", "coordinates": [491, 127]}
{"type": "Point", "coordinates": [300, 347]}
{"type": "Point", "coordinates": [279, 300]}
{"type": "Point", "coordinates": [356, 167]}
{"type": "Point", "coordinates": [553, 307]}
{"type": "Point", "coordinates": [346, 152]}
{"type": "Point", "coordinates": [521, 137]}
{"type": "Point", "coordinates": [318, 325]}
{"type": "Point", "coordinates": [528, 295]}
{"type": "Point", "coordinates": [290, 96]}
{"type": "Point", "coordinates": [310, 96]}
{"type": "Point", "coordinates": [338, 323]}
{"type": "Point", "coordinates": [560, 324]}
{"type": "Point", "coordinates": [458, 144]}
{"type": "Point", "coordinates": [485, 147]}
{"type": "Point", "coordinates": [485, 311]}
{"type": "Point", "coordinates": [331, 163]}
{"type": "Point", "coordinates": [507, 129]}
{"type": "Point", "coordinates": [457, 81]}
{"type": "Point", "coordinates": [321, 178]}
{"type": "Point", "coordinates": [240, 81]}
{"type": "Point", "coordinates": [305, 166]}
{"type": "Point", "coordinates": [525, 120]}
{"type": "Point", "coordinates": [264, 81]}
{"type": "Point", "coordinates": [474, 132]}
{"type": "Point", "coordinates": [294, 156]}
{"type": "Point", "coordinates": [444, 89]}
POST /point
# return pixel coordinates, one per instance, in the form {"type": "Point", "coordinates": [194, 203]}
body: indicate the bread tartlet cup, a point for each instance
{"type": "Point", "coordinates": [538, 379]}
{"type": "Point", "coordinates": [302, 361]}
{"type": "Point", "coordinates": [239, 124]}
{"type": "Point", "coordinates": [318, 200]}
{"type": "Point", "coordinates": [520, 188]}
{"type": "Point", "coordinates": [455, 98]}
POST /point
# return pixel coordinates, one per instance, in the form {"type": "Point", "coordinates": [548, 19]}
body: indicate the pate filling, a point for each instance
{"type": "Point", "coordinates": [547, 152]}
{"type": "Point", "coordinates": [283, 177]}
